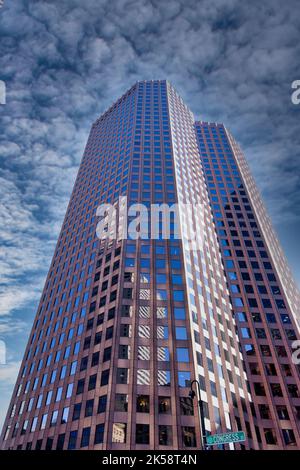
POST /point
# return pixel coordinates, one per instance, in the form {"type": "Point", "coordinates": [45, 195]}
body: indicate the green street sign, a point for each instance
{"type": "Point", "coordinates": [215, 439]}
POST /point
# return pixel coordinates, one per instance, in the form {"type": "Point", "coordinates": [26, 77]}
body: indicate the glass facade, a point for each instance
{"type": "Point", "coordinates": [264, 296]}
{"type": "Point", "coordinates": [125, 324]}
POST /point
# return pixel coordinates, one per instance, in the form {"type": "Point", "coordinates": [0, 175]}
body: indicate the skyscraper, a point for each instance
{"type": "Point", "coordinates": [126, 323]}
{"type": "Point", "coordinates": [265, 299]}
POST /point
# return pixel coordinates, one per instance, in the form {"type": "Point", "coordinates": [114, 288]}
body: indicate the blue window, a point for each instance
{"type": "Point", "coordinates": [67, 352]}
{"type": "Point", "coordinates": [271, 317]}
{"type": "Point", "coordinates": [235, 288]}
{"type": "Point", "coordinates": [77, 347]}
{"type": "Point", "coordinates": [241, 316]}
{"type": "Point", "coordinates": [145, 263]}
{"type": "Point", "coordinates": [73, 368]}
{"type": "Point", "coordinates": [184, 379]}
{"type": "Point", "coordinates": [58, 394]}
{"type": "Point", "coordinates": [161, 278]}
{"type": "Point", "coordinates": [69, 390]}
{"type": "Point", "coordinates": [285, 318]}
{"type": "Point", "coordinates": [177, 279]}
{"type": "Point", "coordinates": [178, 295]}
{"type": "Point", "coordinates": [179, 313]}
{"type": "Point", "coordinates": [229, 264]}
{"type": "Point", "coordinates": [181, 333]}
{"type": "Point", "coordinates": [161, 294]}
{"type": "Point", "coordinates": [160, 264]}
{"type": "Point", "coordinates": [182, 355]}
{"type": "Point", "coordinates": [175, 264]}
{"type": "Point", "coordinates": [238, 302]}
{"type": "Point", "coordinates": [72, 440]}
{"type": "Point", "coordinates": [129, 262]}
{"type": "Point", "coordinates": [245, 333]}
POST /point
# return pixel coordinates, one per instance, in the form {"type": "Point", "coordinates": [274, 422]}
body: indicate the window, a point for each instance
{"type": "Point", "coordinates": [119, 433]}
{"type": "Point", "coordinates": [107, 354]}
{"type": "Point", "coordinates": [84, 363]}
{"type": "Point", "coordinates": [124, 351]}
{"type": "Point", "coordinates": [293, 391]}
{"type": "Point", "coordinates": [76, 411]}
{"type": "Point", "coordinates": [142, 404]}
{"type": "Point", "coordinates": [162, 332]}
{"type": "Point", "coordinates": [282, 412]}
{"type": "Point", "coordinates": [162, 312]}
{"type": "Point", "coordinates": [109, 332]}
{"type": "Point", "coordinates": [265, 349]}
{"type": "Point", "coordinates": [188, 436]}
{"type": "Point", "coordinates": [104, 377]}
{"type": "Point", "coordinates": [276, 390]}
{"type": "Point", "coordinates": [65, 415]}
{"type": "Point", "coordinates": [182, 354]}
{"type": "Point", "coordinates": [125, 330]}
{"type": "Point", "coordinates": [80, 386]}
{"type": "Point", "coordinates": [165, 436]}
{"type": "Point", "coordinates": [264, 411]}
{"type": "Point", "coordinates": [259, 389]}
{"type": "Point", "coordinates": [144, 331]}
{"type": "Point", "coordinates": [92, 382]}
{"type": "Point", "coordinates": [85, 438]}
{"type": "Point", "coordinates": [122, 375]}
{"type": "Point", "coordinates": [161, 294]}
{"type": "Point", "coordinates": [102, 404]}
{"type": "Point", "coordinates": [121, 402]}
{"type": "Point", "coordinates": [143, 377]}
{"type": "Point", "coordinates": [144, 311]}
{"type": "Point", "coordinates": [142, 434]}
{"type": "Point", "coordinates": [99, 433]}
{"type": "Point", "coordinates": [95, 359]}
{"type": "Point", "coordinates": [245, 333]}
{"type": "Point", "coordinates": [164, 405]}
{"type": "Point", "coordinates": [164, 377]}
{"type": "Point", "coordinates": [163, 353]}
{"type": "Point", "coordinates": [72, 440]}
{"type": "Point", "coordinates": [44, 421]}
{"type": "Point", "coordinates": [289, 436]}
{"type": "Point", "coordinates": [69, 390]}
{"type": "Point", "coordinates": [181, 333]}
{"type": "Point", "coordinates": [144, 353]}
{"type": "Point", "coordinates": [270, 436]}
{"type": "Point", "coordinates": [184, 379]}
{"type": "Point", "coordinates": [178, 295]}
{"type": "Point", "coordinates": [89, 406]}
{"type": "Point", "coordinates": [186, 406]}
{"type": "Point", "coordinates": [179, 313]}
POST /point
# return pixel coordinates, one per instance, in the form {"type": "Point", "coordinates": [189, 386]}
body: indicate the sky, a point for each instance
{"type": "Point", "coordinates": [65, 61]}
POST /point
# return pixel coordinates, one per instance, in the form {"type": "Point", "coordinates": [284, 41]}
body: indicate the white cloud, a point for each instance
{"type": "Point", "coordinates": [8, 373]}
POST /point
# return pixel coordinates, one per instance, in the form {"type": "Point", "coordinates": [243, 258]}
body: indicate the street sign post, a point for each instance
{"type": "Point", "coordinates": [226, 438]}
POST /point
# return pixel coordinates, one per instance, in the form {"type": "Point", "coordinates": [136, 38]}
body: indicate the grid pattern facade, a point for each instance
{"type": "Point", "coordinates": [263, 294]}
{"type": "Point", "coordinates": [124, 325]}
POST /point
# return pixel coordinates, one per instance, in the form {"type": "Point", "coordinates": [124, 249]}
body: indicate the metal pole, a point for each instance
{"type": "Point", "coordinates": [201, 412]}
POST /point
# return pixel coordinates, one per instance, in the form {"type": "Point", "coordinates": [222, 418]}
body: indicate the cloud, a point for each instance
{"type": "Point", "coordinates": [9, 372]}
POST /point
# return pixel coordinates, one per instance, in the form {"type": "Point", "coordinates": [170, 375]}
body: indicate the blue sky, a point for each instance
{"type": "Point", "coordinates": [65, 61]}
